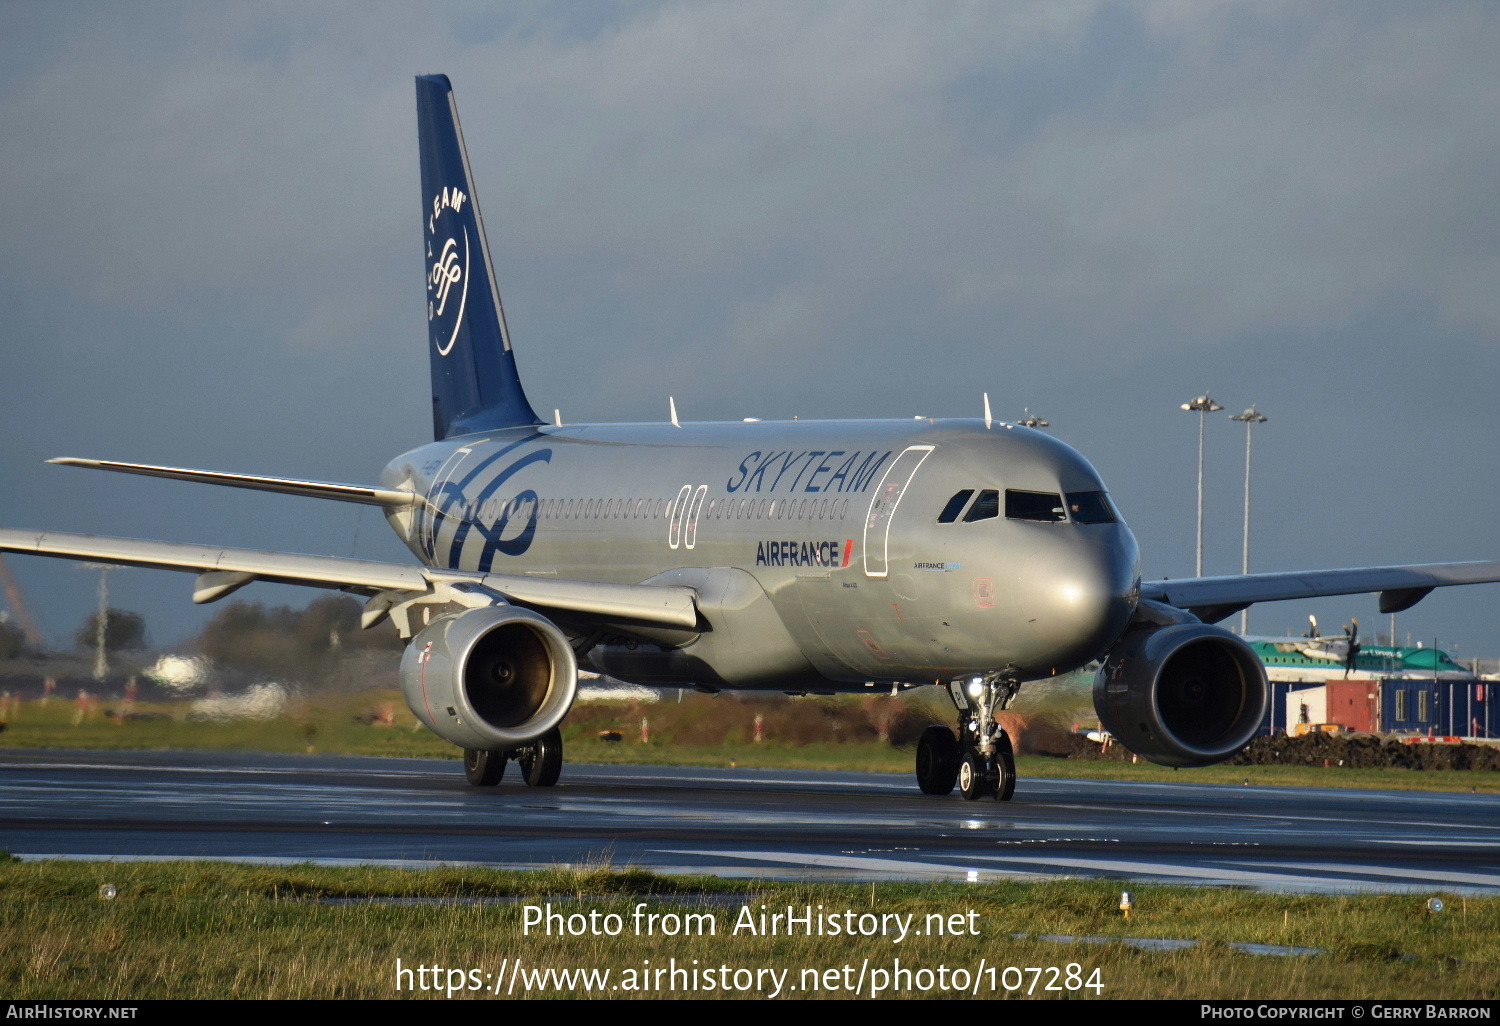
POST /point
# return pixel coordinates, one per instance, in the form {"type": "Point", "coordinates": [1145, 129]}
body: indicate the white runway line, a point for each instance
{"type": "Point", "coordinates": [117, 767]}
{"type": "Point", "coordinates": [1395, 873]}
{"type": "Point", "coordinates": [861, 785]}
{"type": "Point", "coordinates": [1210, 873]}
{"type": "Point", "coordinates": [1288, 817]}
{"type": "Point", "coordinates": [854, 862]}
{"type": "Point", "coordinates": [1444, 843]}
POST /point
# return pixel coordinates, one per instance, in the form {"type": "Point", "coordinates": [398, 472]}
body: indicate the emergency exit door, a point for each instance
{"type": "Point", "coordinates": [883, 508]}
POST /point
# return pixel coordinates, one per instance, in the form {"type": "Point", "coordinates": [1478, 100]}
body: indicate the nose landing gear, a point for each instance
{"type": "Point", "coordinates": [981, 760]}
{"type": "Point", "coordinates": [988, 776]}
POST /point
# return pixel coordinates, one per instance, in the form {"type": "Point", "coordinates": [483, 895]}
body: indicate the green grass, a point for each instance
{"type": "Point", "coordinates": [340, 725]}
{"type": "Point", "coordinates": [336, 725]}
{"type": "Point", "coordinates": [214, 930]}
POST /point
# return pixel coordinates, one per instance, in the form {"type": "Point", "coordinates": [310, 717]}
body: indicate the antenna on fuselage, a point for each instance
{"type": "Point", "coordinates": [672, 406]}
{"type": "Point", "coordinates": [988, 420]}
{"type": "Point", "coordinates": [557, 418]}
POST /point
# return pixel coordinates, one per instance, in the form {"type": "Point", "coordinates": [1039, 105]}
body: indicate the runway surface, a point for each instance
{"type": "Point", "coordinates": [741, 822]}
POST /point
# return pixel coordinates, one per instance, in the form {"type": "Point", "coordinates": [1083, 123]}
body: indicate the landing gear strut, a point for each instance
{"type": "Point", "coordinates": [540, 762]}
{"type": "Point", "coordinates": [981, 761]}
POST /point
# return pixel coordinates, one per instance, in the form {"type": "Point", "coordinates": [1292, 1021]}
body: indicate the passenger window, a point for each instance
{"type": "Point", "coordinates": [1045, 507]}
{"type": "Point", "coordinates": [1091, 508]}
{"type": "Point", "coordinates": [955, 506]}
{"type": "Point", "coordinates": [986, 507]}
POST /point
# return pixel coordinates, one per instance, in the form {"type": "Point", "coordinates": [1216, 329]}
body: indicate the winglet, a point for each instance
{"type": "Point", "coordinates": [475, 385]}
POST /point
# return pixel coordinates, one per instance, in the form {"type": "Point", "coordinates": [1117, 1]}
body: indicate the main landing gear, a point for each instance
{"type": "Point", "coordinates": [980, 760]}
{"type": "Point", "coordinates": [540, 762]}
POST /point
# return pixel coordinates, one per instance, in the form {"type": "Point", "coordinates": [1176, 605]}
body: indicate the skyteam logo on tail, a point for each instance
{"type": "Point", "coordinates": [448, 268]}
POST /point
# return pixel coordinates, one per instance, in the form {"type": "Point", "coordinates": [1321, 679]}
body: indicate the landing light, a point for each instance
{"type": "Point", "coordinates": [976, 687]}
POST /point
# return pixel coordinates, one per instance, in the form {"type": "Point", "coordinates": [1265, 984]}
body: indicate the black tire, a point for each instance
{"type": "Point", "coordinates": [541, 761]}
{"type": "Point", "coordinates": [1005, 769]}
{"type": "Point", "coordinates": [938, 755]}
{"type": "Point", "coordinates": [975, 779]}
{"type": "Point", "coordinates": [484, 769]}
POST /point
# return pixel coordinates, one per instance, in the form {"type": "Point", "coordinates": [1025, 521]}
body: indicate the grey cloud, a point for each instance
{"type": "Point", "coordinates": [840, 209]}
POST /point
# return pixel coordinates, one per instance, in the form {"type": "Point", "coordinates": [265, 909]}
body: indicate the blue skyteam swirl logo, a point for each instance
{"type": "Point", "coordinates": [447, 269]}
{"type": "Point", "coordinates": [509, 532]}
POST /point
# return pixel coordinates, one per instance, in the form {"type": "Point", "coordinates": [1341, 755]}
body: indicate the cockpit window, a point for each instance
{"type": "Point", "coordinates": [986, 507]}
{"type": "Point", "coordinates": [955, 506]}
{"type": "Point", "coordinates": [1091, 508]}
{"type": "Point", "coordinates": [1043, 506]}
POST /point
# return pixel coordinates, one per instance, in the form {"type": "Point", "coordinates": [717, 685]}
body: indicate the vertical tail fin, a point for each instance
{"type": "Point", "coordinates": [475, 386]}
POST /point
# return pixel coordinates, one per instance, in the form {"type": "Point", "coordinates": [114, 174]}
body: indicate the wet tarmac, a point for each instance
{"type": "Point", "coordinates": [782, 824]}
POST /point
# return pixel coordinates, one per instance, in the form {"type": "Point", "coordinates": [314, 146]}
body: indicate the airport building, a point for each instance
{"type": "Point", "coordinates": [1386, 689]}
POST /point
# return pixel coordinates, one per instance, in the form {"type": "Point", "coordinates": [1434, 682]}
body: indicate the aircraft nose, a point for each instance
{"type": "Point", "coordinates": [1079, 592]}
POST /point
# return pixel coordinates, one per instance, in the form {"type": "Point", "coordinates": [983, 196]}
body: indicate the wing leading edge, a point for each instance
{"type": "Point", "coordinates": [223, 570]}
{"type": "Point", "coordinates": [366, 494]}
{"type": "Point", "coordinates": [1400, 587]}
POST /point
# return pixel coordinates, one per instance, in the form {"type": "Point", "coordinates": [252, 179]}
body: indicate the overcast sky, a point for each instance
{"type": "Point", "coordinates": [1094, 210]}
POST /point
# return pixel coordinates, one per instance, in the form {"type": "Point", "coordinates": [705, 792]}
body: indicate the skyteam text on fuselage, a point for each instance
{"type": "Point", "coordinates": [802, 556]}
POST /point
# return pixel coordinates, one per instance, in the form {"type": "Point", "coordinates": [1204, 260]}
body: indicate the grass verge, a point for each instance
{"type": "Point", "coordinates": [217, 930]}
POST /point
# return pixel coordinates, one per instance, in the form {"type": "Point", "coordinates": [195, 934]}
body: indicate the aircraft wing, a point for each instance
{"type": "Point", "coordinates": [1400, 587]}
{"type": "Point", "coordinates": [366, 494]}
{"type": "Point", "coordinates": [223, 570]}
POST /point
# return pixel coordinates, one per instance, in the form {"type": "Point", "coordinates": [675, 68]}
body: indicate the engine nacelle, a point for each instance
{"type": "Point", "coordinates": [1188, 694]}
{"type": "Point", "coordinates": [490, 679]}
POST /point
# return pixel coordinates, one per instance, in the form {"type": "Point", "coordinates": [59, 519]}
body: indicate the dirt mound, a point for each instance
{"type": "Point", "coordinates": [1365, 751]}
{"type": "Point", "coordinates": [1076, 746]}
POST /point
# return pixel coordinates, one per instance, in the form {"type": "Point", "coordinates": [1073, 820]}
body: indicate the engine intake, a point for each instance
{"type": "Point", "coordinates": [1188, 694]}
{"type": "Point", "coordinates": [490, 679]}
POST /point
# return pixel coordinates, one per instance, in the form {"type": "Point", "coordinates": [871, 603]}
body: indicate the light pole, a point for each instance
{"type": "Point", "coordinates": [1203, 406]}
{"type": "Point", "coordinates": [1250, 417]}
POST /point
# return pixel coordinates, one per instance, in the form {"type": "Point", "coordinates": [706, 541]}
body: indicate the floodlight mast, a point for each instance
{"type": "Point", "coordinates": [1203, 406]}
{"type": "Point", "coordinates": [1250, 418]}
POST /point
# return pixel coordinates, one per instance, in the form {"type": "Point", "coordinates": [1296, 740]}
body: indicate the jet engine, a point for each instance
{"type": "Point", "coordinates": [1187, 694]}
{"type": "Point", "coordinates": [491, 679]}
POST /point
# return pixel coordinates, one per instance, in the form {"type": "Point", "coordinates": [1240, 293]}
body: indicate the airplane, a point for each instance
{"type": "Point", "coordinates": [805, 557]}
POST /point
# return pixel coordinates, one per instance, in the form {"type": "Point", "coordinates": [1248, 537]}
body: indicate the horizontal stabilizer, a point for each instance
{"type": "Point", "coordinates": [370, 496]}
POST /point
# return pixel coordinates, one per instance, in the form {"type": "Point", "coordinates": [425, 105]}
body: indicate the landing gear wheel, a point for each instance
{"type": "Point", "coordinates": [483, 768]}
{"type": "Point", "coordinates": [541, 761]}
{"type": "Point", "coordinates": [938, 756]}
{"type": "Point", "coordinates": [975, 780]}
{"type": "Point", "coordinates": [1005, 769]}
